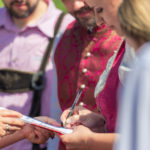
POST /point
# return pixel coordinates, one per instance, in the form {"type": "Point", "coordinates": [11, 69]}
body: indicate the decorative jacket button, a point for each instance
{"type": "Point", "coordinates": [88, 54]}
{"type": "Point", "coordinates": [82, 86]}
{"type": "Point", "coordinates": [84, 70]}
{"type": "Point", "coordinates": [81, 104]}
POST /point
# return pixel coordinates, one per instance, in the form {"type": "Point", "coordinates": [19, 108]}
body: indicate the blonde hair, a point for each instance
{"type": "Point", "coordinates": [134, 19]}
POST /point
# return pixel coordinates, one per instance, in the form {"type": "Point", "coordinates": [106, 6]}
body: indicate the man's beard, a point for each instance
{"type": "Point", "coordinates": [27, 13]}
{"type": "Point", "coordinates": [87, 21]}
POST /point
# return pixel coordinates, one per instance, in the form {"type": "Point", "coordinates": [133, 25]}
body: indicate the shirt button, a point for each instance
{"type": "Point", "coordinates": [115, 51]}
{"type": "Point", "coordinates": [14, 60]}
{"type": "Point", "coordinates": [84, 70]}
{"type": "Point", "coordinates": [88, 54]}
{"type": "Point", "coordinates": [82, 86]}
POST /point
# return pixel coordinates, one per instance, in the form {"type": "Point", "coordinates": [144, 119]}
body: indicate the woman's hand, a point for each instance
{"type": "Point", "coordinates": [83, 116]}
{"type": "Point", "coordinates": [78, 140]}
{"type": "Point", "coordinates": [9, 121]}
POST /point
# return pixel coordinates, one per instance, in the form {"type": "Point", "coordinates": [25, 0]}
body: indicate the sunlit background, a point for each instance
{"type": "Point", "coordinates": [57, 3]}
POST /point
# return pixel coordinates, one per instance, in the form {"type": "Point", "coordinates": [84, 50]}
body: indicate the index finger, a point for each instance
{"type": "Point", "coordinates": [11, 121]}
{"type": "Point", "coordinates": [64, 115]}
{"type": "Point", "coordinates": [9, 113]}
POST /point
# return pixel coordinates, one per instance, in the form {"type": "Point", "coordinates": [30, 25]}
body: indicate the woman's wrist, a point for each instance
{"type": "Point", "coordinates": [89, 140]}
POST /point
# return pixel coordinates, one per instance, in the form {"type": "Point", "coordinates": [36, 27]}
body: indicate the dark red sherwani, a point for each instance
{"type": "Point", "coordinates": [107, 99]}
{"type": "Point", "coordinates": [80, 59]}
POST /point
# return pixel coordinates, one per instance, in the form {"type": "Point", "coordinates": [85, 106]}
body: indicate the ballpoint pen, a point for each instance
{"type": "Point", "coordinates": [74, 104]}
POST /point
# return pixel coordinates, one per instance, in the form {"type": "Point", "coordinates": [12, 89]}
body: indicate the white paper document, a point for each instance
{"type": "Point", "coordinates": [44, 125]}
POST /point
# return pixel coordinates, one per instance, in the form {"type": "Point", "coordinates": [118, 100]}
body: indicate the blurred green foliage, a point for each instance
{"type": "Point", "coordinates": [1, 3]}
{"type": "Point", "coordinates": [58, 4]}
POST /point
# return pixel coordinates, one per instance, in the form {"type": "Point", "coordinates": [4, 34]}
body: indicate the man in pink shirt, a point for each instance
{"type": "Point", "coordinates": [25, 29]}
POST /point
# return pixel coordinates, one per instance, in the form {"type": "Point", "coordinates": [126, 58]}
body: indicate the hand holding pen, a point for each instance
{"type": "Point", "coordinates": [73, 105]}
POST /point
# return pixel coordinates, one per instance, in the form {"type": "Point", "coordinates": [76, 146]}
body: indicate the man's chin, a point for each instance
{"type": "Point", "coordinates": [20, 16]}
{"type": "Point", "coordinates": [86, 23]}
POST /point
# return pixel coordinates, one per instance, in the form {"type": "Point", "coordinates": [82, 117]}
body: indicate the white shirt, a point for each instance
{"type": "Point", "coordinates": [134, 112]}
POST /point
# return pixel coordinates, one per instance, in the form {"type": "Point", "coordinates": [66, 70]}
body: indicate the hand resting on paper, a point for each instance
{"type": "Point", "coordinates": [39, 135]}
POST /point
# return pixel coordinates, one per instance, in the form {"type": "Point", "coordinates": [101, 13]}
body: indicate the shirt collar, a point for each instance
{"type": "Point", "coordinates": [46, 24]}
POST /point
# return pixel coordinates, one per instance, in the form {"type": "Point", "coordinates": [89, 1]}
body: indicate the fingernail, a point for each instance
{"type": "Point", "coordinates": [68, 121]}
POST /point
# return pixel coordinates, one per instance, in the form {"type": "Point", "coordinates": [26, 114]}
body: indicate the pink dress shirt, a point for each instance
{"type": "Point", "coordinates": [23, 50]}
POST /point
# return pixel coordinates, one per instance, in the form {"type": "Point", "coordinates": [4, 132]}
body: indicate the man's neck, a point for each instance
{"type": "Point", "coordinates": [37, 14]}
